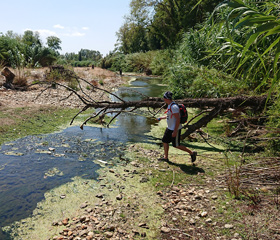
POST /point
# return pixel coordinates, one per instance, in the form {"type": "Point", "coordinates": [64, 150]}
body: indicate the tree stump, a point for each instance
{"type": "Point", "coordinates": [9, 78]}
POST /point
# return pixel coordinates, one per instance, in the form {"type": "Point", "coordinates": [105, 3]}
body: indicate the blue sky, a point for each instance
{"type": "Point", "coordinates": [87, 24]}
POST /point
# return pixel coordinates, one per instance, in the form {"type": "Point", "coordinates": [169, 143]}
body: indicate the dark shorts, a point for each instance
{"type": "Point", "coordinates": [167, 137]}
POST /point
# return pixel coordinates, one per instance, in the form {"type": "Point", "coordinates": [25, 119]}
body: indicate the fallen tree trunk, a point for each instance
{"type": "Point", "coordinates": [256, 102]}
{"type": "Point", "coordinates": [202, 122]}
{"type": "Point", "coordinates": [219, 106]}
{"type": "Point", "coordinates": [215, 106]}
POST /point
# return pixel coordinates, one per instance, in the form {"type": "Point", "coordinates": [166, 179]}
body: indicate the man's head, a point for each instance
{"type": "Point", "coordinates": [167, 95]}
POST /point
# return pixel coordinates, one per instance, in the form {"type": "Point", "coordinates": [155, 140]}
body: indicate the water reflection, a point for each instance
{"type": "Point", "coordinates": [140, 88]}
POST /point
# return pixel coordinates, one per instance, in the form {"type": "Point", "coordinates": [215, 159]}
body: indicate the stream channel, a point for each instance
{"type": "Point", "coordinates": [33, 165]}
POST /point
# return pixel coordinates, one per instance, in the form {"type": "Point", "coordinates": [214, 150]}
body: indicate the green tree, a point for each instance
{"type": "Point", "coordinates": [11, 50]}
{"type": "Point", "coordinates": [31, 39]}
{"type": "Point", "coordinates": [54, 43]}
{"type": "Point", "coordinates": [70, 56]}
{"type": "Point", "coordinates": [4, 50]}
{"type": "Point", "coordinates": [25, 51]}
{"type": "Point", "coordinates": [174, 17]}
{"type": "Point", "coordinates": [118, 60]}
{"type": "Point", "coordinates": [32, 45]}
{"type": "Point", "coordinates": [89, 55]}
{"type": "Point", "coordinates": [154, 24]}
{"type": "Point", "coordinates": [133, 38]}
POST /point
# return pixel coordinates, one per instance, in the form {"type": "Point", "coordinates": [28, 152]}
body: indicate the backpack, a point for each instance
{"type": "Point", "coordinates": [183, 112]}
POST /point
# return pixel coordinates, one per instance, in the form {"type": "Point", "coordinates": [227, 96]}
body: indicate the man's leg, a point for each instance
{"type": "Point", "coordinates": [167, 137]}
{"type": "Point", "coordinates": [184, 148]}
{"type": "Point", "coordinates": [192, 153]}
{"type": "Point", "coordinates": [176, 144]}
{"type": "Point", "coordinates": [166, 150]}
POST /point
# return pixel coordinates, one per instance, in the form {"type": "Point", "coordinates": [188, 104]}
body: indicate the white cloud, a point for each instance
{"type": "Point", "coordinates": [78, 34]}
{"type": "Point", "coordinates": [75, 34]}
{"type": "Point", "coordinates": [71, 31]}
{"type": "Point", "coordinates": [58, 26]}
{"type": "Point", "coordinates": [46, 33]}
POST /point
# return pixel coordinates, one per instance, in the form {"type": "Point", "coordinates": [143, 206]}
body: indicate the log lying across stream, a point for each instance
{"type": "Point", "coordinates": [212, 106]}
{"type": "Point", "coordinates": [257, 103]}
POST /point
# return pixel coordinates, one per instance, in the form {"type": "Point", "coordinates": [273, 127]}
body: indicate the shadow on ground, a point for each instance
{"type": "Point", "coordinates": [188, 169]}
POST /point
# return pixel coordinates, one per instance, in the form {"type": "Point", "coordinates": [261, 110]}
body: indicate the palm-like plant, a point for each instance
{"type": "Point", "coordinates": [252, 44]}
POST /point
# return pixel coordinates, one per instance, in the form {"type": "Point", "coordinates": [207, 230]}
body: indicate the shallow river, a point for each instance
{"type": "Point", "coordinates": [32, 165]}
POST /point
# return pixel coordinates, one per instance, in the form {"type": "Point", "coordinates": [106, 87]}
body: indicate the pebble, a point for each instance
{"type": "Point", "coordinates": [109, 234]}
{"type": "Point", "coordinates": [84, 205]}
{"type": "Point", "coordinates": [214, 197]}
{"type": "Point", "coordinates": [143, 225]}
{"type": "Point", "coordinates": [203, 214]}
{"type": "Point", "coordinates": [119, 197]}
{"type": "Point", "coordinates": [228, 226]}
{"type": "Point", "coordinates": [176, 189]}
{"type": "Point", "coordinates": [192, 221]}
{"type": "Point", "coordinates": [100, 195]}
{"type": "Point", "coordinates": [83, 233]}
{"type": "Point", "coordinates": [198, 197]}
{"type": "Point", "coordinates": [165, 229]}
{"type": "Point", "coordinates": [65, 221]}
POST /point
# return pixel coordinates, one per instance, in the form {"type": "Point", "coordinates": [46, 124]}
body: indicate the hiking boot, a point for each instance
{"type": "Point", "coordinates": [163, 159]}
{"type": "Point", "coordinates": [193, 156]}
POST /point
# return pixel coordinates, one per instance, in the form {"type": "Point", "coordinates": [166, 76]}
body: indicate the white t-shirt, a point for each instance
{"type": "Point", "coordinates": [171, 120]}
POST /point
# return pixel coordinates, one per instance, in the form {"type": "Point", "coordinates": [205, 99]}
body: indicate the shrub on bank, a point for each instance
{"type": "Point", "coordinates": [195, 82]}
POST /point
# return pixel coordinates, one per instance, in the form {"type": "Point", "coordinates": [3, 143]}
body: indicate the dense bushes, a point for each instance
{"type": "Point", "coordinates": [75, 63]}
{"type": "Point", "coordinates": [161, 61]}
{"type": "Point", "coordinates": [152, 62]}
{"type": "Point", "coordinates": [187, 80]}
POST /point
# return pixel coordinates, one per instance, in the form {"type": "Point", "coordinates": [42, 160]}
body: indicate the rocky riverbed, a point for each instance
{"type": "Point", "coordinates": [40, 94]}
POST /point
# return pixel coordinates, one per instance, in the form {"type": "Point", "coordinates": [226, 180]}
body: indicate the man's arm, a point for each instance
{"type": "Point", "coordinates": [177, 117]}
{"type": "Point", "coordinates": [163, 117]}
